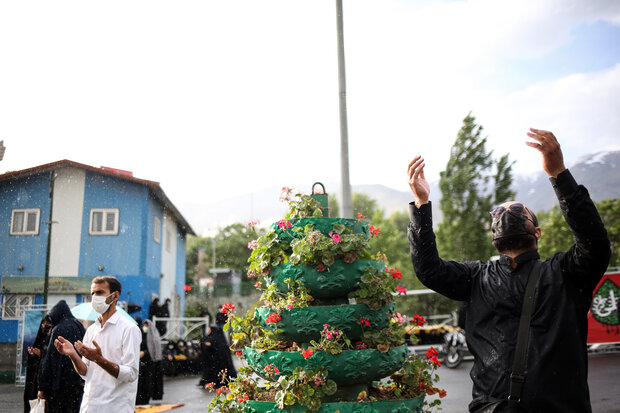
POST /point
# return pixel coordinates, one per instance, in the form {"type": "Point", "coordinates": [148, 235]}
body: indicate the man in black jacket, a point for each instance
{"type": "Point", "coordinates": [557, 363]}
{"type": "Point", "coordinates": [59, 383]}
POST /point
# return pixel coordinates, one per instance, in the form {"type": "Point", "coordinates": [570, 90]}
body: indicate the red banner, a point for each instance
{"type": "Point", "coordinates": [604, 315]}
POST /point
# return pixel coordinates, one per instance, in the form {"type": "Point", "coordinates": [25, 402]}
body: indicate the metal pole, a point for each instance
{"type": "Point", "coordinates": [346, 204]}
{"type": "Point", "coordinates": [49, 223]}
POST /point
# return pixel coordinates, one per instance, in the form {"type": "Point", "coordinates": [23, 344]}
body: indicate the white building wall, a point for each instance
{"type": "Point", "coordinates": [168, 263]}
{"type": "Point", "coordinates": [68, 205]}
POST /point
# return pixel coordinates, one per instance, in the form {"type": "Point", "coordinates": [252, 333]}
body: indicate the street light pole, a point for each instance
{"type": "Point", "coordinates": [346, 204]}
{"type": "Point", "coordinates": [49, 223]}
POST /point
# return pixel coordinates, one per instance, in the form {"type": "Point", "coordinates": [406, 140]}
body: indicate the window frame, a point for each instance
{"type": "Point", "coordinates": [24, 230]}
{"type": "Point", "coordinates": [105, 212]}
{"type": "Point", "coordinates": [157, 229]}
{"type": "Point", "coordinates": [16, 306]}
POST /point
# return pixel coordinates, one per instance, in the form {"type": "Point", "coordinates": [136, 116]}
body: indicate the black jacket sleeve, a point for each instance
{"type": "Point", "coordinates": [449, 278]}
{"type": "Point", "coordinates": [588, 258]}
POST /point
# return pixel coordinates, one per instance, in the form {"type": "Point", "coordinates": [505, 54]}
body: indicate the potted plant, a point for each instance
{"type": "Point", "coordinates": [326, 330]}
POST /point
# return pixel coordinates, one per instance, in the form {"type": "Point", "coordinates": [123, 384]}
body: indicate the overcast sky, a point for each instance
{"type": "Point", "coordinates": [220, 98]}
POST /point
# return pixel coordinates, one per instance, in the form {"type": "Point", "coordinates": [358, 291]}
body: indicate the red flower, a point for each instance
{"type": "Point", "coordinates": [222, 389]}
{"type": "Point", "coordinates": [320, 268]}
{"type": "Point", "coordinates": [238, 353]}
{"type": "Point", "coordinates": [210, 386]}
{"type": "Point", "coordinates": [431, 352]}
{"type": "Point", "coordinates": [435, 361]}
{"type": "Point", "coordinates": [442, 393]}
{"type": "Point", "coordinates": [364, 321]}
{"type": "Point", "coordinates": [394, 272]}
{"type": "Point", "coordinates": [273, 318]}
{"type": "Point", "coordinates": [227, 307]}
{"type": "Point", "coordinates": [307, 353]}
{"type": "Point", "coordinates": [374, 230]}
{"type": "Point", "coordinates": [401, 290]}
{"type": "Point", "coordinates": [418, 319]}
{"type": "Point", "coordinates": [360, 216]}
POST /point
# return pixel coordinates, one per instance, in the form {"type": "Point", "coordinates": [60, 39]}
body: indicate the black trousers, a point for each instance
{"type": "Point", "coordinates": [65, 400]}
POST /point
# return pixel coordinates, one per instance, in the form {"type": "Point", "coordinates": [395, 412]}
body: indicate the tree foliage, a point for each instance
{"type": "Point", "coordinates": [471, 184]}
{"type": "Point", "coordinates": [556, 236]}
{"type": "Point", "coordinates": [231, 249]}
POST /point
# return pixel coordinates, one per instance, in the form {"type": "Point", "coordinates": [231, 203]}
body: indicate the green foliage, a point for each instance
{"type": "Point", "coordinates": [315, 248]}
{"type": "Point", "coordinates": [609, 209]}
{"type": "Point", "coordinates": [470, 185]}
{"type": "Point", "coordinates": [231, 249]}
{"type": "Point", "coordinates": [376, 287]}
{"type": "Point", "coordinates": [297, 295]}
{"type": "Point", "coordinates": [301, 205]}
{"type": "Point", "coordinates": [362, 204]}
{"type": "Point", "coordinates": [556, 236]}
{"type": "Point", "coordinates": [269, 251]}
{"type": "Point", "coordinates": [333, 341]}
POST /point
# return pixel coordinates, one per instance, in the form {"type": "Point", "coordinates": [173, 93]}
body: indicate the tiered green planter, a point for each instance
{"type": "Point", "coordinates": [383, 406]}
{"type": "Point", "coordinates": [346, 368]}
{"type": "Point", "coordinates": [337, 281]}
{"type": "Point", "coordinates": [303, 324]}
{"type": "Point", "coordinates": [324, 225]}
{"type": "Point", "coordinates": [352, 370]}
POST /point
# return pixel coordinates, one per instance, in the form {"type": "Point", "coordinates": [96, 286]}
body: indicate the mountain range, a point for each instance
{"type": "Point", "coordinates": [598, 172]}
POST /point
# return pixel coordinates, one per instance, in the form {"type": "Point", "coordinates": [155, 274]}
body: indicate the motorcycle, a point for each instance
{"type": "Point", "coordinates": [454, 348]}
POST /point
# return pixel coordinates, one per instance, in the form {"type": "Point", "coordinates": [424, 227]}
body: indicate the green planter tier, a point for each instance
{"type": "Point", "coordinates": [324, 225]}
{"type": "Point", "coordinates": [337, 281]}
{"type": "Point", "coordinates": [346, 368]}
{"type": "Point", "coordinates": [382, 406]}
{"type": "Point", "coordinates": [305, 323]}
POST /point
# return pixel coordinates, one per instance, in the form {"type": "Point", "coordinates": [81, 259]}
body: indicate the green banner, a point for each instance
{"type": "Point", "coordinates": [32, 284]}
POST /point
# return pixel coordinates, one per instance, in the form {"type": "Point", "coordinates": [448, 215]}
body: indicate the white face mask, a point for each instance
{"type": "Point", "coordinates": [145, 329]}
{"type": "Point", "coordinates": [99, 304]}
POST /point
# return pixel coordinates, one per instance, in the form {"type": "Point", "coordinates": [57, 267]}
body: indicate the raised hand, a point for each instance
{"type": "Point", "coordinates": [417, 182]}
{"type": "Point", "coordinates": [91, 353]}
{"type": "Point", "coordinates": [64, 346]}
{"type": "Point", "coordinates": [549, 147]}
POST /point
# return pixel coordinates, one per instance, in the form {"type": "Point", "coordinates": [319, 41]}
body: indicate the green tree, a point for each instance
{"type": "Point", "coordinates": [362, 203]}
{"type": "Point", "coordinates": [556, 236]}
{"type": "Point", "coordinates": [471, 184]}
{"type": "Point", "coordinates": [610, 214]}
{"type": "Point", "coordinates": [231, 249]}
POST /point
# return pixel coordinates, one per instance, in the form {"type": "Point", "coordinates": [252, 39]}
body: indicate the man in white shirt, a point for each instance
{"type": "Point", "coordinates": [110, 353]}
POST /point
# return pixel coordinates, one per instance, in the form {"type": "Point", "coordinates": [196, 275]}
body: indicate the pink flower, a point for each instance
{"type": "Point", "coordinates": [253, 244]}
{"type": "Point", "coordinates": [290, 307]}
{"type": "Point", "coordinates": [401, 290]}
{"type": "Point", "coordinates": [318, 383]}
{"type": "Point", "coordinates": [284, 224]}
{"type": "Point", "coordinates": [335, 237]}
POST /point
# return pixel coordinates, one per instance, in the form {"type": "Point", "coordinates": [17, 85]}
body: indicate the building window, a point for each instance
{"type": "Point", "coordinates": [103, 222]}
{"type": "Point", "coordinates": [13, 305]}
{"type": "Point", "coordinates": [157, 229]}
{"type": "Point", "coordinates": [168, 240]}
{"type": "Point", "coordinates": [25, 221]}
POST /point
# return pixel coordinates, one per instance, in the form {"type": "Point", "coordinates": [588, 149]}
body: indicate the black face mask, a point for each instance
{"type": "Point", "coordinates": [509, 224]}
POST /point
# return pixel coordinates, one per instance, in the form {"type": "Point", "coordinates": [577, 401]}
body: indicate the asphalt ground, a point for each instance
{"type": "Point", "coordinates": [603, 377]}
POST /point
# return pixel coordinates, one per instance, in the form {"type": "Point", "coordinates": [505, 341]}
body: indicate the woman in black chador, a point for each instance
{"type": "Point", "coordinates": [216, 358]}
{"type": "Point", "coordinates": [35, 353]}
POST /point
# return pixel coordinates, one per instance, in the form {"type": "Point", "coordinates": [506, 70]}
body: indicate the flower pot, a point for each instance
{"type": "Point", "coordinates": [336, 281]}
{"type": "Point", "coordinates": [305, 323]}
{"type": "Point", "coordinates": [392, 406]}
{"type": "Point", "coordinates": [346, 368]}
{"type": "Point", "coordinates": [324, 225]}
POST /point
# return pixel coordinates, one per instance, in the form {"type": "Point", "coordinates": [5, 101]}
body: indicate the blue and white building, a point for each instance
{"type": "Point", "coordinates": [82, 221]}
